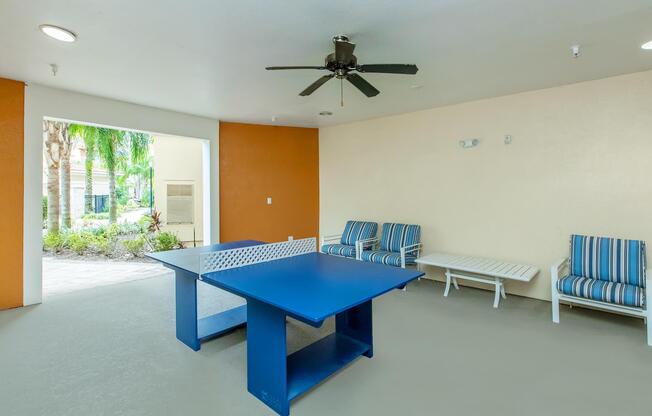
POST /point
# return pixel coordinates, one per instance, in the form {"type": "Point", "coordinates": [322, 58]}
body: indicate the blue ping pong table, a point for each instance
{"type": "Point", "coordinates": [308, 287]}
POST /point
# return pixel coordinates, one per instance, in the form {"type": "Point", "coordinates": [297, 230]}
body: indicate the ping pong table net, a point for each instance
{"type": "Point", "coordinates": [229, 259]}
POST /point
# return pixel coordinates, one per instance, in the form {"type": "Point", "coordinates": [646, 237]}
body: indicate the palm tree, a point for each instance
{"type": "Point", "coordinates": [89, 135]}
{"type": "Point", "coordinates": [53, 160]}
{"type": "Point", "coordinates": [115, 147]}
{"type": "Point", "coordinates": [137, 162]}
{"type": "Point", "coordinates": [108, 141]}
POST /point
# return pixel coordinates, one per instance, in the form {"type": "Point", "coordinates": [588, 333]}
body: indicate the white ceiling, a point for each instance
{"type": "Point", "coordinates": [207, 57]}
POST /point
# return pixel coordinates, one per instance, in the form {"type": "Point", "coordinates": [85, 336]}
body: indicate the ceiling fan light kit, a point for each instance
{"type": "Point", "coordinates": [343, 64]}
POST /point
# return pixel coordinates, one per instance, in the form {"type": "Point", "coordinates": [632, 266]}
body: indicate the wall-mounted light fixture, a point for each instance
{"type": "Point", "coordinates": [468, 143]}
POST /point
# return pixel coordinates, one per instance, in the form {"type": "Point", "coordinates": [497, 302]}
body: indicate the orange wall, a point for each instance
{"type": "Point", "coordinates": [257, 162]}
{"type": "Point", "coordinates": [12, 98]}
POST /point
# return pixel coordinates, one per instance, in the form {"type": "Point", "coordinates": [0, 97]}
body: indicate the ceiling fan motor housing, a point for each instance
{"type": "Point", "coordinates": [332, 65]}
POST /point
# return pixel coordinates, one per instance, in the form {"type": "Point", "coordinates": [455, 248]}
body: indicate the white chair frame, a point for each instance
{"type": "Point", "coordinates": [375, 241]}
{"type": "Point", "coordinates": [336, 238]}
{"type": "Point", "coordinates": [645, 312]}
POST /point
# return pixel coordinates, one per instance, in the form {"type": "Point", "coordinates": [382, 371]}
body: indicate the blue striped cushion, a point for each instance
{"type": "Point", "coordinates": [608, 259]}
{"type": "Point", "coordinates": [396, 236]}
{"type": "Point", "coordinates": [339, 250]}
{"type": "Point", "coordinates": [358, 230]}
{"type": "Point", "coordinates": [386, 257]}
{"type": "Point", "coordinates": [611, 292]}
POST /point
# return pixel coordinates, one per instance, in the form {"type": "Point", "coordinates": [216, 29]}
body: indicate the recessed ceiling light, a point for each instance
{"type": "Point", "coordinates": [58, 33]}
{"type": "Point", "coordinates": [647, 46]}
{"type": "Point", "coordinates": [325, 113]}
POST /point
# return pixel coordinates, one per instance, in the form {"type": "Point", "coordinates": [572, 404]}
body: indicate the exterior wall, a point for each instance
{"type": "Point", "coordinates": [579, 163]}
{"type": "Point", "coordinates": [179, 160]}
{"type": "Point", "coordinates": [12, 107]}
{"type": "Point", "coordinates": [78, 181]}
{"type": "Point", "coordinates": [257, 162]}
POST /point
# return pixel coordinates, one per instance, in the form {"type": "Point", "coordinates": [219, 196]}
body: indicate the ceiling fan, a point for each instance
{"type": "Point", "coordinates": [343, 64]}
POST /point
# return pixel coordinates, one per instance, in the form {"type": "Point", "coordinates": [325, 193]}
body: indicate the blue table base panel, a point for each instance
{"type": "Point", "coordinates": [192, 331]}
{"type": "Point", "coordinates": [276, 378]}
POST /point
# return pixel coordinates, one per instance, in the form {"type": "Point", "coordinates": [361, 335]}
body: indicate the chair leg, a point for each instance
{"type": "Point", "coordinates": [555, 306]}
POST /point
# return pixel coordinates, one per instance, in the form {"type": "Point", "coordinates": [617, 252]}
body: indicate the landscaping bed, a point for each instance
{"type": "Point", "coordinates": [124, 241]}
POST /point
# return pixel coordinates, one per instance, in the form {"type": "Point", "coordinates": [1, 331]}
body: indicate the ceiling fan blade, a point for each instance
{"type": "Point", "coordinates": [389, 68]}
{"type": "Point", "coordinates": [361, 84]}
{"type": "Point", "coordinates": [275, 68]}
{"type": "Point", "coordinates": [312, 87]}
{"type": "Point", "coordinates": [344, 51]}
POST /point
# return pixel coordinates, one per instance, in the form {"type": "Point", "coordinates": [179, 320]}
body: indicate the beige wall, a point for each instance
{"type": "Point", "coordinates": [580, 162]}
{"type": "Point", "coordinates": [178, 160]}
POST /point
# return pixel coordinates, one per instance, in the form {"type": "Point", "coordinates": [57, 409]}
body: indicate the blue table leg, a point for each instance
{"type": "Point", "coordinates": [186, 308]}
{"type": "Point", "coordinates": [357, 324]}
{"type": "Point", "coordinates": [267, 356]}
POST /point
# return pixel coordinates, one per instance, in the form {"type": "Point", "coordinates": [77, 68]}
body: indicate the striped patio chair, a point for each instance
{"type": "Point", "coordinates": [400, 245]}
{"type": "Point", "coordinates": [604, 273]}
{"type": "Point", "coordinates": [347, 244]}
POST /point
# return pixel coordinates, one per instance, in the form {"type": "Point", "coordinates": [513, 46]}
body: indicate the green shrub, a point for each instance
{"type": "Point", "coordinates": [79, 242]}
{"type": "Point", "coordinates": [103, 245]}
{"type": "Point", "coordinates": [135, 246]}
{"type": "Point", "coordinates": [165, 240]}
{"type": "Point", "coordinates": [53, 242]}
{"type": "Point", "coordinates": [131, 204]}
{"type": "Point", "coordinates": [144, 199]}
{"type": "Point", "coordinates": [121, 195]}
{"type": "Point", "coordinates": [112, 231]}
{"type": "Point", "coordinates": [96, 216]}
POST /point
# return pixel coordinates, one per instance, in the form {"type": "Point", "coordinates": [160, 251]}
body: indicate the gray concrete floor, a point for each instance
{"type": "Point", "coordinates": [112, 351]}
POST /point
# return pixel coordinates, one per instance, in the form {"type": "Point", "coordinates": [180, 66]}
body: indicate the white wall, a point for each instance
{"type": "Point", "coordinates": [43, 102]}
{"type": "Point", "coordinates": [179, 160]}
{"type": "Point", "coordinates": [579, 163]}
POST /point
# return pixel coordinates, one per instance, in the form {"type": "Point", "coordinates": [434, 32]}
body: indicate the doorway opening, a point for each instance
{"type": "Point", "coordinates": [111, 195]}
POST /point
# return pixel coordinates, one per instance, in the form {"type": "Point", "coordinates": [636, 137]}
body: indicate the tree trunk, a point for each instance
{"type": "Point", "coordinates": [52, 147]}
{"type": "Point", "coordinates": [88, 191]}
{"type": "Point", "coordinates": [66, 152]}
{"type": "Point", "coordinates": [66, 220]}
{"type": "Point", "coordinates": [113, 203]}
{"type": "Point", "coordinates": [53, 198]}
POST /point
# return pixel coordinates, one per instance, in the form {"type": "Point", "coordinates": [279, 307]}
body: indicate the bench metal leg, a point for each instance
{"type": "Point", "coordinates": [448, 282]}
{"type": "Point", "coordinates": [498, 285]}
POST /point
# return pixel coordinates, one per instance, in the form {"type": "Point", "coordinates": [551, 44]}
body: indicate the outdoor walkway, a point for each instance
{"type": "Point", "coordinates": [65, 276]}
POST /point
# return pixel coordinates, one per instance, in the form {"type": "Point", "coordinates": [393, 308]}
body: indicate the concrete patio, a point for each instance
{"type": "Point", "coordinates": [65, 275]}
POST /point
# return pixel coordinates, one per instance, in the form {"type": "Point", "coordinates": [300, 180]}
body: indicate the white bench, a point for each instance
{"type": "Point", "coordinates": [478, 269]}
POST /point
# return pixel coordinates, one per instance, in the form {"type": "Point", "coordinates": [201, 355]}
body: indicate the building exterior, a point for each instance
{"type": "Point", "coordinates": [178, 185]}
{"type": "Point", "coordinates": [78, 180]}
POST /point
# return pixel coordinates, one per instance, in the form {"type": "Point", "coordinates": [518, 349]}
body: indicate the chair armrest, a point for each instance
{"type": "Point", "coordinates": [366, 242]}
{"type": "Point", "coordinates": [412, 247]}
{"type": "Point", "coordinates": [409, 249]}
{"type": "Point", "coordinates": [556, 268]}
{"type": "Point", "coordinates": [332, 237]}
